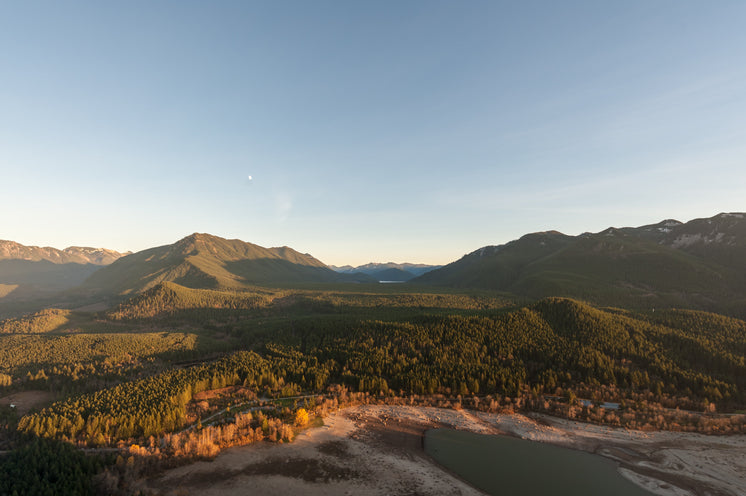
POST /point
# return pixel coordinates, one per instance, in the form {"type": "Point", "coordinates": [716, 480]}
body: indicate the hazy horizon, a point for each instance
{"type": "Point", "coordinates": [358, 264]}
{"type": "Point", "coordinates": [409, 132]}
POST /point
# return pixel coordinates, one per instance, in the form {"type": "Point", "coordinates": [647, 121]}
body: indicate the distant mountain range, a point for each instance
{"type": "Point", "coordinates": [701, 263]}
{"type": "Point", "coordinates": [28, 272]}
{"type": "Point", "coordinates": [10, 250]}
{"type": "Point", "coordinates": [387, 271]}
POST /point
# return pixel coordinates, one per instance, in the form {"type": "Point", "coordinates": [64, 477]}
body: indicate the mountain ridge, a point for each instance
{"type": "Point", "coordinates": [12, 250]}
{"type": "Point", "coordinates": [205, 261]}
{"type": "Point", "coordinates": [699, 263]}
{"type": "Point", "coordinates": [33, 272]}
{"type": "Point", "coordinates": [389, 271]}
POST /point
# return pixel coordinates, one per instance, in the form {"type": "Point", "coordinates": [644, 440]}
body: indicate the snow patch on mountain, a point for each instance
{"type": "Point", "coordinates": [10, 250]}
{"type": "Point", "coordinates": [686, 240]}
{"type": "Point", "coordinates": [689, 239]}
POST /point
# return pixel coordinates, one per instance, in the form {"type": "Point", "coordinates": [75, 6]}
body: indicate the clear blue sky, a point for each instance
{"type": "Point", "coordinates": [374, 131]}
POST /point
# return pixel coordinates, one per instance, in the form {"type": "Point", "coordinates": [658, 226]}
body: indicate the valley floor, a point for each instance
{"type": "Point", "coordinates": [377, 450]}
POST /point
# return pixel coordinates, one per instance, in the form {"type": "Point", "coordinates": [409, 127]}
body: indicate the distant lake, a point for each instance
{"type": "Point", "coordinates": [506, 466]}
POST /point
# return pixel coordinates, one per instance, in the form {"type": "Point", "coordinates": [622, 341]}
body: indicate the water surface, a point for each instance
{"type": "Point", "coordinates": [506, 466]}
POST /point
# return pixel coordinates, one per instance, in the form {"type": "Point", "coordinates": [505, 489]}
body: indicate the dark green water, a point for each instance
{"type": "Point", "coordinates": [507, 466]}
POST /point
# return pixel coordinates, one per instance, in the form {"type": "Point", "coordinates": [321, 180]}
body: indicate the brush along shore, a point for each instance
{"type": "Point", "coordinates": [377, 449]}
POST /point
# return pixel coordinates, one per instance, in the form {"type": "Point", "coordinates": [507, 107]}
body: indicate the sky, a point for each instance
{"type": "Point", "coordinates": [413, 131]}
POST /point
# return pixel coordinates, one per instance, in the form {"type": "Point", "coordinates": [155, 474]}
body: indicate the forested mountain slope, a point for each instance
{"type": "Point", "coordinates": [206, 261]}
{"type": "Point", "coordinates": [700, 264]}
{"type": "Point", "coordinates": [678, 359]}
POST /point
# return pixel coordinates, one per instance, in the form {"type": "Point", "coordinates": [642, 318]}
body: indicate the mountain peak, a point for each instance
{"type": "Point", "coordinates": [207, 261]}
{"type": "Point", "coordinates": [665, 226]}
{"type": "Point", "coordinates": [197, 238]}
{"type": "Point", "coordinates": [670, 223]}
{"type": "Point", "coordinates": [732, 215]}
{"type": "Point", "coordinates": [542, 234]}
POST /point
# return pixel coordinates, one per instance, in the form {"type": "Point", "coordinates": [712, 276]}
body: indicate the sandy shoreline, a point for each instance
{"type": "Point", "coordinates": [377, 450]}
{"type": "Point", "coordinates": [665, 463]}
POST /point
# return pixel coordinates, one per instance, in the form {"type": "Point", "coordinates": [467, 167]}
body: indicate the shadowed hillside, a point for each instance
{"type": "Point", "coordinates": [699, 264]}
{"type": "Point", "coordinates": [32, 272]}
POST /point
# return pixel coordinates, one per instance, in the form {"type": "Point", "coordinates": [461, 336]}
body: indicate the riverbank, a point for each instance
{"type": "Point", "coordinates": [377, 449]}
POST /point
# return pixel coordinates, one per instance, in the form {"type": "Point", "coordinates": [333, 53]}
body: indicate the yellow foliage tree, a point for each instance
{"type": "Point", "coordinates": [301, 417]}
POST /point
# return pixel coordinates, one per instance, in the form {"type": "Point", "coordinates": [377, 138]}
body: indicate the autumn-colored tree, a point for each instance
{"type": "Point", "coordinates": [301, 417]}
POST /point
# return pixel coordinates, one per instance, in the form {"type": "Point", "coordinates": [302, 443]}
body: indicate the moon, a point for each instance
{"type": "Point", "coordinates": [250, 178]}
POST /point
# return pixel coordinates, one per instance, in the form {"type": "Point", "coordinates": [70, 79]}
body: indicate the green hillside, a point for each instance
{"type": "Point", "coordinates": [210, 262]}
{"type": "Point", "coordinates": [696, 265]}
{"type": "Point", "coordinates": [497, 267]}
{"type": "Point", "coordinates": [167, 299]}
{"type": "Point", "coordinates": [553, 347]}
